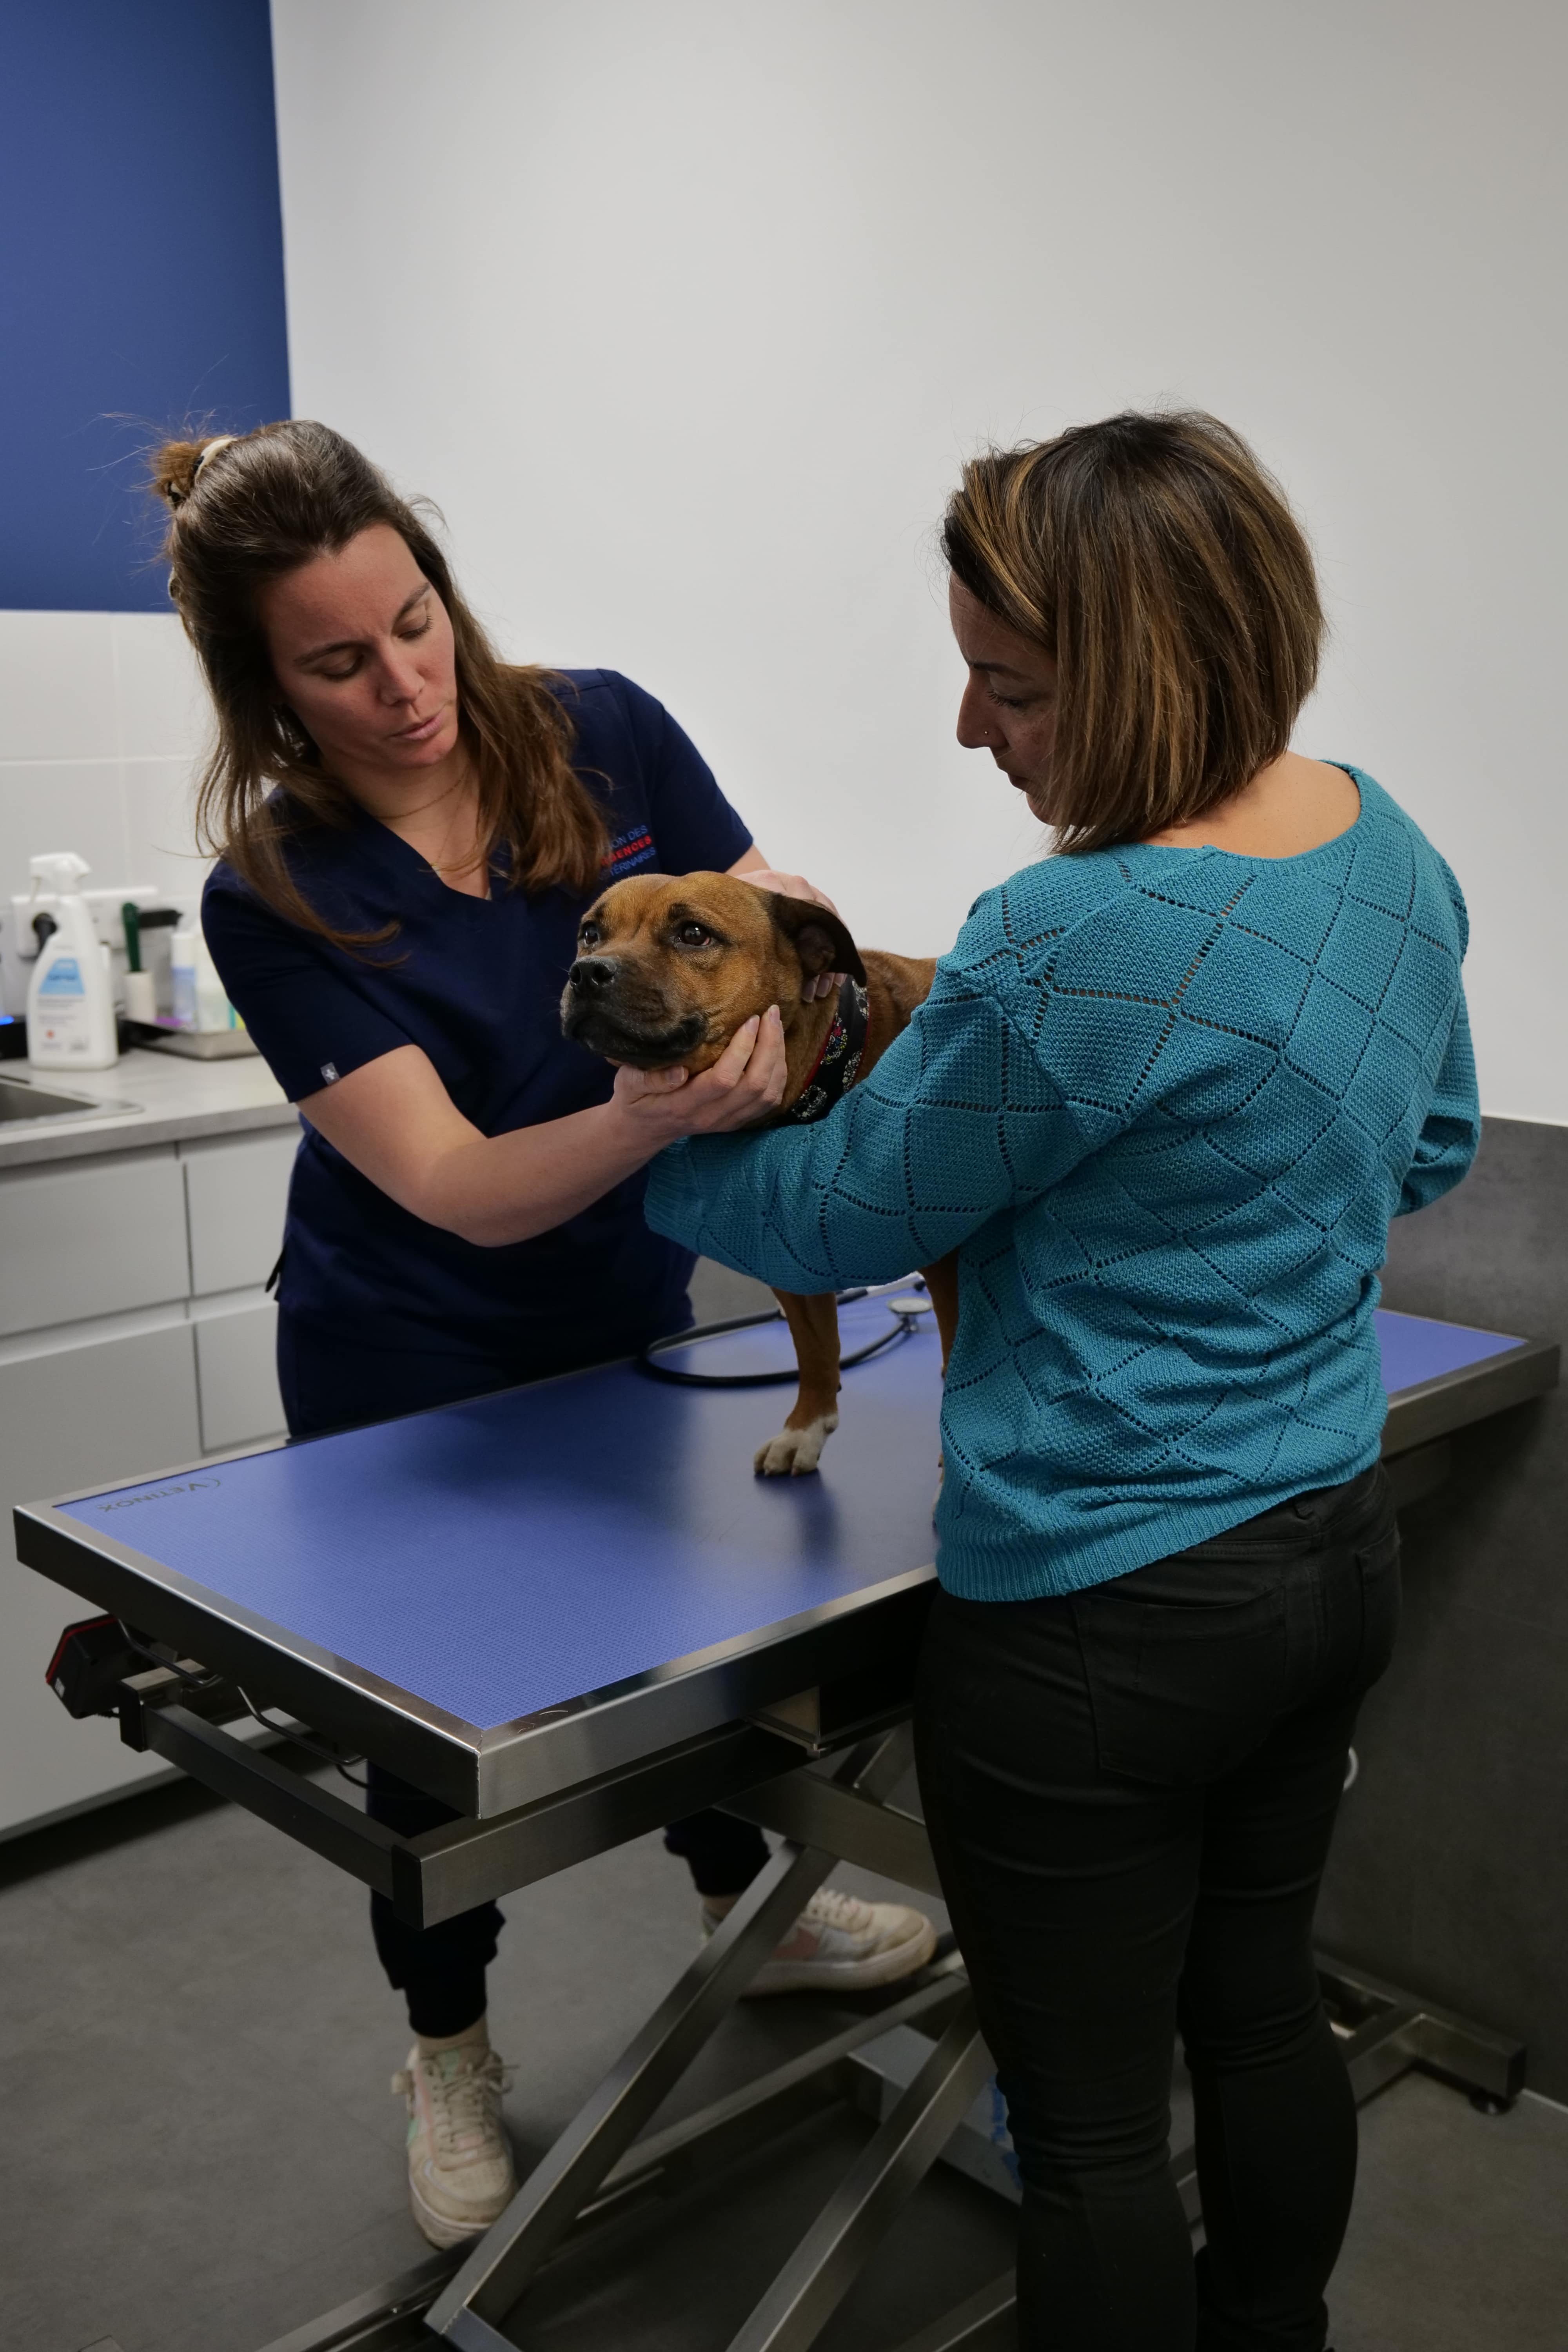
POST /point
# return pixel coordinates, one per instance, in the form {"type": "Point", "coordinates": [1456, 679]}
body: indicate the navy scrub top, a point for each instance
{"type": "Point", "coordinates": [477, 983]}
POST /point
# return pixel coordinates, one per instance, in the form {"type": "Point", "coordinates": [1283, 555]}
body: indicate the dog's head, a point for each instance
{"type": "Point", "coordinates": [668, 968]}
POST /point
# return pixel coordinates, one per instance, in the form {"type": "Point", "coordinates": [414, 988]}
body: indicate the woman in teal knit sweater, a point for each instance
{"type": "Point", "coordinates": [1169, 1089]}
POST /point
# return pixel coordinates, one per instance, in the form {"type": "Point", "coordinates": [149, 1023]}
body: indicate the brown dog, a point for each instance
{"type": "Point", "coordinates": [667, 971]}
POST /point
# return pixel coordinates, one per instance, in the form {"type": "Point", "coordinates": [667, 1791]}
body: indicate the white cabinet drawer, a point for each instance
{"type": "Point", "coordinates": [236, 1192]}
{"type": "Point", "coordinates": [74, 1419]}
{"type": "Point", "coordinates": [84, 1240]}
{"type": "Point", "coordinates": [236, 1373]}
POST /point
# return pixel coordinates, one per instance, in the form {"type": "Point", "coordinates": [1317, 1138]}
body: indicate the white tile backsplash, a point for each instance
{"type": "Point", "coordinates": [57, 687]}
{"type": "Point", "coordinates": [62, 805]}
{"type": "Point", "coordinates": [162, 702]}
{"type": "Point", "coordinates": [102, 722]}
{"type": "Point", "coordinates": [160, 823]}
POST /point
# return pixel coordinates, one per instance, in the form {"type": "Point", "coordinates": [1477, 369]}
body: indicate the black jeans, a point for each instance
{"type": "Point", "coordinates": [1131, 1792]}
{"type": "Point", "coordinates": [332, 1382]}
{"type": "Point", "coordinates": [441, 1970]}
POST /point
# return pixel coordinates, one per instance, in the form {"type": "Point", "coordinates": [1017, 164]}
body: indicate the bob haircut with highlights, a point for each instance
{"type": "Point", "coordinates": [1160, 565]}
{"type": "Point", "coordinates": [263, 504]}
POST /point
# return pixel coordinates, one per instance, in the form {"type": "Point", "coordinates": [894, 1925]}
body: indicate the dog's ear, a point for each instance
{"type": "Point", "coordinates": [819, 937]}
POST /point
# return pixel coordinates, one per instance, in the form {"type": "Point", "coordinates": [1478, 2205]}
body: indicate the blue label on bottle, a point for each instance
{"type": "Point", "coordinates": [63, 977]}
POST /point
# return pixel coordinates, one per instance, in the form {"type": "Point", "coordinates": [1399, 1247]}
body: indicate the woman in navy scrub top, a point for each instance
{"type": "Point", "coordinates": [410, 831]}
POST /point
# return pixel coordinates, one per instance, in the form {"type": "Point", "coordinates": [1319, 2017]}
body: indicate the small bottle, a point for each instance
{"type": "Point", "coordinates": [182, 977]}
{"type": "Point", "coordinates": [199, 1001]}
{"type": "Point", "coordinates": [214, 1010]}
{"type": "Point", "coordinates": [70, 994]}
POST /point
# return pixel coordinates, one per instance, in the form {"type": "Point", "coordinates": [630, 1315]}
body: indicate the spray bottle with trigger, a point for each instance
{"type": "Point", "coordinates": [71, 996]}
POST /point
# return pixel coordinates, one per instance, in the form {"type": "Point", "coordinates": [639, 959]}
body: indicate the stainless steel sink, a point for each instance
{"type": "Point", "coordinates": [24, 1103]}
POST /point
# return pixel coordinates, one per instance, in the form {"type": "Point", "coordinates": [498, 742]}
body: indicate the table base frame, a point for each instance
{"type": "Point", "coordinates": [602, 2166]}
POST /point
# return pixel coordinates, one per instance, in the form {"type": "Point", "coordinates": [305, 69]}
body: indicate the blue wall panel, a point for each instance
{"type": "Point", "coordinates": [141, 274]}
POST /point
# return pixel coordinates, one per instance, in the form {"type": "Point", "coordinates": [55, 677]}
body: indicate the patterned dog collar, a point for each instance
{"type": "Point", "coordinates": [838, 1063]}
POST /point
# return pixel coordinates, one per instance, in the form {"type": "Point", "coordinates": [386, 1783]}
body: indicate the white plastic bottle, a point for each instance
{"type": "Point", "coordinates": [70, 996]}
{"type": "Point", "coordinates": [214, 1010]}
{"type": "Point", "coordinates": [182, 977]}
{"type": "Point", "coordinates": [199, 1001]}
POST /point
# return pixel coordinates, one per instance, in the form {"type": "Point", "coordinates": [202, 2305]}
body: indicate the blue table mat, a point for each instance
{"type": "Point", "coordinates": [1414, 1349]}
{"type": "Point", "coordinates": [519, 1551]}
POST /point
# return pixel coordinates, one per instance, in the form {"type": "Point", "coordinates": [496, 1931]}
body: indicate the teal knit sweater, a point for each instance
{"type": "Point", "coordinates": [1164, 1104]}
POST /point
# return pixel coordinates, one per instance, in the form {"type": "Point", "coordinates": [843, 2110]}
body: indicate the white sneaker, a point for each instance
{"type": "Point", "coordinates": [839, 1944]}
{"type": "Point", "coordinates": [460, 2174]}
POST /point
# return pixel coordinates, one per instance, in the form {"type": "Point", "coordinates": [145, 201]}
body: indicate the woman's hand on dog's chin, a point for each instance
{"type": "Point", "coordinates": [744, 1086]}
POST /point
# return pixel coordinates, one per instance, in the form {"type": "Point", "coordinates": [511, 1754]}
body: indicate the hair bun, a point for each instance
{"type": "Point", "coordinates": [174, 466]}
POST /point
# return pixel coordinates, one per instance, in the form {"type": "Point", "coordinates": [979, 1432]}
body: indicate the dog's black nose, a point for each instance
{"type": "Point", "coordinates": [591, 975]}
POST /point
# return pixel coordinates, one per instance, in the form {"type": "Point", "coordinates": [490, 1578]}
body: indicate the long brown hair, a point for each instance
{"type": "Point", "coordinates": [1161, 566]}
{"type": "Point", "coordinates": [261, 505]}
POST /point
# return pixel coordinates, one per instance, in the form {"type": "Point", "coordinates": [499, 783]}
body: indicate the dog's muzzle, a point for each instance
{"type": "Point", "coordinates": [598, 1011]}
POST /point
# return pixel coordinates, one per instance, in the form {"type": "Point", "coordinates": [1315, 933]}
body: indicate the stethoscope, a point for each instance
{"type": "Point", "coordinates": [907, 1303]}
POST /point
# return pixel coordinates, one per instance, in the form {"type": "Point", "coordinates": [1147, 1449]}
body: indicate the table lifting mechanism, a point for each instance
{"type": "Point", "coordinates": [821, 1770]}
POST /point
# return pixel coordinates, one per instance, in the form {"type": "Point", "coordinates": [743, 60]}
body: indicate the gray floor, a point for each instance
{"type": "Point", "coordinates": [201, 2150]}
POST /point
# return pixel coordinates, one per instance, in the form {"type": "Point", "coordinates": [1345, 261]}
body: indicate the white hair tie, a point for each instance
{"type": "Point", "coordinates": [211, 450]}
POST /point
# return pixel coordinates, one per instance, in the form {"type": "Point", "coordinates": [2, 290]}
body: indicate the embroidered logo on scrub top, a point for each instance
{"type": "Point", "coordinates": [629, 850]}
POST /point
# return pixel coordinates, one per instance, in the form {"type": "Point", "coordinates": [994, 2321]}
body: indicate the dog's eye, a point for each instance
{"type": "Point", "coordinates": [589, 935]}
{"type": "Point", "coordinates": [693, 935]}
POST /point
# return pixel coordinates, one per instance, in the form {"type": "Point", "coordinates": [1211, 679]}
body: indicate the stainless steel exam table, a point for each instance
{"type": "Point", "coordinates": [570, 1611]}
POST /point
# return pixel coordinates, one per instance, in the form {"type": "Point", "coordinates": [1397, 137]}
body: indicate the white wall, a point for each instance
{"type": "Point", "coordinates": [101, 715]}
{"type": "Point", "coordinates": [686, 315]}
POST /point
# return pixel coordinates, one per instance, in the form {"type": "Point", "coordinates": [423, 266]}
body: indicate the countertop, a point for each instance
{"type": "Point", "coordinates": [156, 1098]}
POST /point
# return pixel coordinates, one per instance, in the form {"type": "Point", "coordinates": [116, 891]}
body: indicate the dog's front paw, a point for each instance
{"type": "Point", "coordinates": [795, 1453]}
